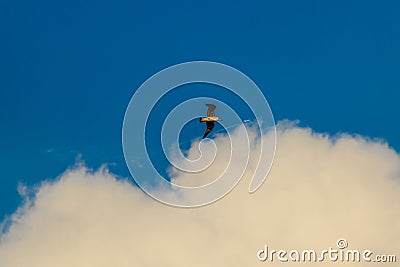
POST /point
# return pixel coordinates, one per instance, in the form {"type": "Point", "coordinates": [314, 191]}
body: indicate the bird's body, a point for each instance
{"type": "Point", "coordinates": [210, 119]}
{"type": "Point", "coordinates": [213, 118]}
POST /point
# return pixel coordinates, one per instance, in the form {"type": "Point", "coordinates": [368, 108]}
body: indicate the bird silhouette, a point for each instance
{"type": "Point", "coordinates": [210, 119]}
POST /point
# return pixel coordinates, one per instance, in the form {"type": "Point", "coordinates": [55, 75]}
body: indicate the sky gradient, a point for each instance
{"type": "Point", "coordinates": [68, 71]}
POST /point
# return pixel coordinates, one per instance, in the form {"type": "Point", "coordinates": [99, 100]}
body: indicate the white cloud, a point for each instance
{"type": "Point", "coordinates": [320, 189]}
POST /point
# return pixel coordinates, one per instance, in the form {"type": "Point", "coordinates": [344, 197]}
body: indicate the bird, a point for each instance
{"type": "Point", "coordinates": [210, 119]}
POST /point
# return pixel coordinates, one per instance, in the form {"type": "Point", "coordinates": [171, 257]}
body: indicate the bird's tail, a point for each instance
{"type": "Point", "coordinates": [202, 120]}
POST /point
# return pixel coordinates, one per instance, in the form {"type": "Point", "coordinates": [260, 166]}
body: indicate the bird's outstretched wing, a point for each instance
{"type": "Point", "coordinates": [210, 126]}
{"type": "Point", "coordinates": [210, 111]}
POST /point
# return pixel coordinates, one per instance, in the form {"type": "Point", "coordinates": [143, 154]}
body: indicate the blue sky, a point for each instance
{"type": "Point", "coordinates": [68, 71]}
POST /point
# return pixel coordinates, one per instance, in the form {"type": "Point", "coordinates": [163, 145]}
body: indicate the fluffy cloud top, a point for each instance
{"type": "Point", "coordinates": [320, 189]}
